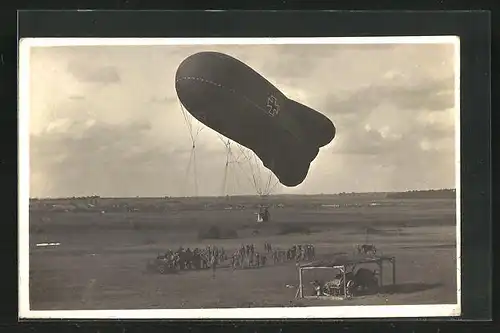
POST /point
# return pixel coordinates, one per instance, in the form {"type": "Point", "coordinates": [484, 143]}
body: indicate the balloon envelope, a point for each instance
{"type": "Point", "coordinates": [230, 97]}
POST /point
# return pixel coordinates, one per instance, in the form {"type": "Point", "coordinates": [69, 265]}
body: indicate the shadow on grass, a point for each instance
{"type": "Point", "coordinates": [438, 246]}
{"type": "Point", "coordinates": [254, 304]}
{"type": "Point", "coordinates": [408, 288]}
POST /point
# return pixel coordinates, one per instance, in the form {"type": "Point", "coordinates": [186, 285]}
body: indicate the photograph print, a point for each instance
{"type": "Point", "coordinates": [239, 177]}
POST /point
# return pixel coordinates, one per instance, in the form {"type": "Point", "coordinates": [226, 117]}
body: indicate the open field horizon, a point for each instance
{"type": "Point", "coordinates": [116, 172]}
{"type": "Point", "coordinates": [416, 193]}
{"type": "Point", "coordinates": [100, 262]}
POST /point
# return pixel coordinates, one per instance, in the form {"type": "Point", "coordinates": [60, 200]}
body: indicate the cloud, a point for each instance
{"type": "Point", "coordinates": [109, 159]}
{"type": "Point", "coordinates": [85, 73]}
{"type": "Point", "coordinates": [431, 95]}
{"type": "Point", "coordinates": [76, 97]}
{"type": "Point", "coordinates": [86, 157]}
{"type": "Point", "coordinates": [114, 126]}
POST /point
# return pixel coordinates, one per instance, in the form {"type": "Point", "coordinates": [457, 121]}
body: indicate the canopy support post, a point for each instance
{"type": "Point", "coordinates": [345, 282]}
{"type": "Point", "coordinates": [393, 261]}
{"type": "Point", "coordinates": [381, 273]}
{"type": "Point", "coordinates": [301, 287]}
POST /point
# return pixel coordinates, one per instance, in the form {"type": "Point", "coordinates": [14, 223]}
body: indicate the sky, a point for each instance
{"type": "Point", "coordinates": [105, 120]}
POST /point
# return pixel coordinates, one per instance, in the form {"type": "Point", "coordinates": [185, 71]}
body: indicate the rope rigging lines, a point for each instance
{"type": "Point", "coordinates": [194, 127]}
{"type": "Point", "coordinates": [261, 178]}
{"type": "Point", "coordinates": [238, 162]}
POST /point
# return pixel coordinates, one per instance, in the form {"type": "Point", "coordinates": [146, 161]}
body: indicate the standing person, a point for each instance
{"type": "Point", "coordinates": [233, 260]}
{"type": "Point", "coordinates": [266, 216]}
{"type": "Point", "coordinates": [213, 263]}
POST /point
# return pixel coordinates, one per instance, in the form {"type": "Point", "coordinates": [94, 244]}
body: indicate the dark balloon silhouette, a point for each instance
{"type": "Point", "coordinates": [234, 100]}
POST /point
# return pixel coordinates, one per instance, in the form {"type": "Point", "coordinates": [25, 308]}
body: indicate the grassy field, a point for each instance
{"type": "Point", "coordinates": [100, 262]}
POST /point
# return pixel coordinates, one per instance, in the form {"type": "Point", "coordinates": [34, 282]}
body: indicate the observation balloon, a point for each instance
{"type": "Point", "coordinates": [234, 100]}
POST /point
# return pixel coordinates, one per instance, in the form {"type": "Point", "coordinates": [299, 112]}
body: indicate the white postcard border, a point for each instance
{"type": "Point", "coordinates": [391, 311]}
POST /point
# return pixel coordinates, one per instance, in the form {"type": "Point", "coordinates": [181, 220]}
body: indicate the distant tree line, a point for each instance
{"type": "Point", "coordinates": [423, 194]}
{"type": "Point", "coordinates": [97, 204]}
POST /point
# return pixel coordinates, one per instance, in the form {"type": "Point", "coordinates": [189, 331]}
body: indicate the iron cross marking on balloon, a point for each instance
{"type": "Point", "coordinates": [273, 107]}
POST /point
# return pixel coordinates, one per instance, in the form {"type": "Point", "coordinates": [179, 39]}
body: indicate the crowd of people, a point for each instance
{"type": "Point", "coordinates": [298, 252]}
{"type": "Point", "coordinates": [246, 256]}
{"type": "Point", "coordinates": [184, 259]}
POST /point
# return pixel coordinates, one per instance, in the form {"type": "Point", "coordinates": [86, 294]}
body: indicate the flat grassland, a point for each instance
{"type": "Point", "coordinates": [101, 260]}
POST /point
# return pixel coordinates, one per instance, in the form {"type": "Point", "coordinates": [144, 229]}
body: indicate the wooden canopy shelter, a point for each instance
{"type": "Point", "coordinates": [343, 264]}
